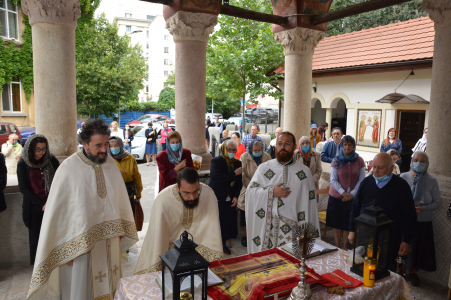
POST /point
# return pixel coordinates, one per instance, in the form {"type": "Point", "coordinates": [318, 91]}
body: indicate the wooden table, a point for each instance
{"type": "Point", "coordinates": [144, 287]}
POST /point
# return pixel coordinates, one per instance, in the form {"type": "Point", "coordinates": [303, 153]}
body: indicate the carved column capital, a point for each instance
{"type": "Point", "coordinates": [439, 11]}
{"type": "Point", "coordinates": [63, 12]}
{"type": "Point", "coordinates": [299, 40]}
{"type": "Point", "coordinates": [191, 26]}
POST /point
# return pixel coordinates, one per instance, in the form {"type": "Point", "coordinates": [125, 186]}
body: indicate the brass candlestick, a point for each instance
{"type": "Point", "coordinates": [303, 239]}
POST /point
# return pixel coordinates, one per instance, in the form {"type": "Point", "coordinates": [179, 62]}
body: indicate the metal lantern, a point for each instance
{"type": "Point", "coordinates": [372, 235]}
{"type": "Point", "coordinates": [184, 263]}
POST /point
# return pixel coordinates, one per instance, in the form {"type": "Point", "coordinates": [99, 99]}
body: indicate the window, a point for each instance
{"type": "Point", "coordinates": [149, 17]}
{"type": "Point", "coordinates": [166, 85]}
{"type": "Point", "coordinates": [147, 45]}
{"type": "Point", "coordinates": [147, 89]}
{"type": "Point", "coordinates": [128, 15]}
{"type": "Point", "coordinates": [147, 67]}
{"type": "Point", "coordinates": [12, 128]}
{"type": "Point", "coordinates": [8, 20]}
{"type": "Point", "coordinates": [128, 28]}
{"type": "Point", "coordinates": [166, 61]}
{"type": "Point", "coordinates": [166, 73]}
{"type": "Point", "coordinates": [166, 37]}
{"type": "Point", "coordinates": [147, 34]}
{"type": "Point", "coordinates": [11, 97]}
{"type": "Point", "coordinates": [166, 49]}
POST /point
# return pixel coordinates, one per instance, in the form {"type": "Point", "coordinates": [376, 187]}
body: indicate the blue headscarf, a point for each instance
{"type": "Point", "coordinates": [172, 158]}
{"type": "Point", "coordinates": [342, 158]}
{"type": "Point", "coordinates": [418, 181]}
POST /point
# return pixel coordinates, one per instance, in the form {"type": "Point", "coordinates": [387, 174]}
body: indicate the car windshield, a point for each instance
{"type": "Point", "coordinates": [144, 118]}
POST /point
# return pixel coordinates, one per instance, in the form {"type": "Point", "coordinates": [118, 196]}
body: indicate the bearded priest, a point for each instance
{"type": "Point", "coordinates": [280, 196]}
{"type": "Point", "coordinates": [187, 205]}
{"type": "Point", "coordinates": [87, 226]}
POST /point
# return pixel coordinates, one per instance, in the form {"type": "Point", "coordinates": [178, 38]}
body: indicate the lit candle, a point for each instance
{"type": "Point", "coordinates": [369, 271]}
{"type": "Point", "coordinates": [369, 252]}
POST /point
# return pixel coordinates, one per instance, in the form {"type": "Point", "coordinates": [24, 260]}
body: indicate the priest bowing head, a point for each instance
{"type": "Point", "coordinates": [88, 225]}
{"type": "Point", "coordinates": [188, 205]}
{"type": "Point", "coordinates": [280, 196]}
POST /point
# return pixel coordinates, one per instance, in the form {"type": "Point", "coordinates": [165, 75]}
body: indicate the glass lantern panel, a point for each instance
{"type": "Point", "coordinates": [167, 284]}
{"type": "Point", "coordinates": [363, 238]}
{"type": "Point", "coordinates": [185, 284]}
{"type": "Point", "coordinates": [382, 241]}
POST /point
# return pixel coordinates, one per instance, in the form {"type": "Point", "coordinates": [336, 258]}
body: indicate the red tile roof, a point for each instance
{"type": "Point", "coordinates": [404, 41]}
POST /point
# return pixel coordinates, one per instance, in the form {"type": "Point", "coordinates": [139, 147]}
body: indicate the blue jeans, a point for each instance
{"type": "Point", "coordinates": [128, 148]}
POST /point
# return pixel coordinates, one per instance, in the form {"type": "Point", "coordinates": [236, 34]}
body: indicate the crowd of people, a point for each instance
{"type": "Point", "coordinates": [272, 188]}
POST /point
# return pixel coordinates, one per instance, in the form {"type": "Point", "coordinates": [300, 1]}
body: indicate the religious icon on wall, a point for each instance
{"type": "Point", "coordinates": [368, 129]}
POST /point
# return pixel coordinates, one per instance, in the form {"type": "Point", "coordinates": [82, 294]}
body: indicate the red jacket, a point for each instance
{"type": "Point", "coordinates": [168, 175]}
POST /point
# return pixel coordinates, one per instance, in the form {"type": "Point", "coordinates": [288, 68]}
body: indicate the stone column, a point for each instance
{"type": "Point", "coordinates": [299, 44]}
{"type": "Point", "coordinates": [53, 27]}
{"type": "Point", "coordinates": [329, 121]}
{"type": "Point", "coordinates": [439, 134]}
{"type": "Point", "coordinates": [191, 32]}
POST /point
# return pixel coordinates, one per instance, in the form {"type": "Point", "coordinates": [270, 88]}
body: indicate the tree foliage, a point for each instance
{"type": "Point", "coordinates": [239, 55]}
{"type": "Point", "coordinates": [109, 70]}
{"type": "Point", "coordinates": [384, 16]}
{"type": "Point", "coordinates": [167, 98]}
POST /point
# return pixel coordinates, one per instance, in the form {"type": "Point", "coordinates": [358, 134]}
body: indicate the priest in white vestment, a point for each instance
{"type": "Point", "coordinates": [187, 205]}
{"type": "Point", "coordinates": [87, 226]}
{"type": "Point", "coordinates": [280, 196]}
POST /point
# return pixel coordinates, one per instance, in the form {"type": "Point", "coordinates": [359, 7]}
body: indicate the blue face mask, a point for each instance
{"type": "Point", "coordinates": [174, 147]}
{"type": "Point", "coordinates": [115, 151]}
{"type": "Point", "coordinates": [259, 154]}
{"type": "Point", "coordinates": [419, 167]}
{"type": "Point", "coordinates": [127, 128]}
{"type": "Point", "coordinates": [231, 155]}
{"type": "Point", "coordinates": [305, 149]}
{"type": "Point", "coordinates": [15, 143]}
{"type": "Point", "coordinates": [381, 179]}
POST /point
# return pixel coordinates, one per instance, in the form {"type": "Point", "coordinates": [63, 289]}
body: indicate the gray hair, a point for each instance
{"type": "Point", "coordinates": [304, 138]}
{"type": "Point", "coordinates": [230, 142]}
{"type": "Point", "coordinates": [421, 153]}
{"type": "Point", "coordinates": [257, 143]}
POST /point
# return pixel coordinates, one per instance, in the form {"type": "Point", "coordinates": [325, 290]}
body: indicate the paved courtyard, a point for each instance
{"type": "Point", "coordinates": [15, 279]}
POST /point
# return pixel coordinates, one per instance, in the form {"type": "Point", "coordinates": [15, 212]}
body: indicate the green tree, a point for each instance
{"type": "Point", "coordinates": [239, 55]}
{"type": "Point", "coordinates": [167, 98]}
{"type": "Point", "coordinates": [384, 16]}
{"type": "Point", "coordinates": [109, 70]}
{"type": "Point", "coordinates": [170, 81]}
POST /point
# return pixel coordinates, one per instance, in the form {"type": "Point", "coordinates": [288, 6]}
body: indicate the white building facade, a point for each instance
{"type": "Point", "coordinates": [144, 23]}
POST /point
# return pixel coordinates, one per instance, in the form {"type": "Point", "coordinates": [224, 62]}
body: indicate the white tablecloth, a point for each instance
{"type": "Point", "coordinates": [144, 287]}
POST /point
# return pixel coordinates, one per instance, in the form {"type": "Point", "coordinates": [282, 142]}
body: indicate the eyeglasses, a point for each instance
{"type": "Point", "coordinates": [186, 194]}
{"type": "Point", "coordinates": [231, 150]}
{"type": "Point", "coordinates": [284, 145]}
{"type": "Point", "coordinates": [40, 149]}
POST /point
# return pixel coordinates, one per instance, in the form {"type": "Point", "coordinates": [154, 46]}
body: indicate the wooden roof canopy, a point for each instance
{"type": "Point", "coordinates": [287, 13]}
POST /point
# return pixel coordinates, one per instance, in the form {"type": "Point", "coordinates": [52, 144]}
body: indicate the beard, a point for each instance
{"type": "Point", "coordinates": [95, 158]}
{"type": "Point", "coordinates": [190, 203]}
{"type": "Point", "coordinates": [284, 156]}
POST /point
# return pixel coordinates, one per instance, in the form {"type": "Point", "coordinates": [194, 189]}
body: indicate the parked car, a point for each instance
{"type": "Point", "coordinates": [26, 133]}
{"type": "Point", "coordinates": [258, 114]}
{"type": "Point", "coordinates": [212, 115]}
{"type": "Point", "coordinates": [238, 120]}
{"type": "Point", "coordinates": [7, 128]}
{"type": "Point", "coordinates": [150, 118]}
{"type": "Point", "coordinates": [139, 140]}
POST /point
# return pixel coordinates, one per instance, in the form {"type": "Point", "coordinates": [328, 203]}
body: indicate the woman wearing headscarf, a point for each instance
{"type": "Point", "coordinates": [422, 143]}
{"type": "Point", "coordinates": [129, 169]}
{"type": "Point", "coordinates": [426, 194]}
{"type": "Point", "coordinates": [250, 161]}
{"type": "Point", "coordinates": [172, 160]}
{"type": "Point", "coordinates": [347, 172]}
{"type": "Point", "coordinates": [226, 182]}
{"type": "Point", "coordinates": [164, 134]}
{"type": "Point", "coordinates": [12, 151]}
{"type": "Point", "coordinates": [315, 138]}
{"type": "Point", "coordinates": [35, 175]}
{"type": "Point", "coordinates": [310, 158]}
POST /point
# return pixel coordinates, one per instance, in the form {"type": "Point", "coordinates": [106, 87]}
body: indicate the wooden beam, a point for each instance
{"type": "Point", "coordinates": [243, 13]}
{"type": "Point", "coordinates": [354, 10]}
{"type": "Point", "coordinates": [165, 2]}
